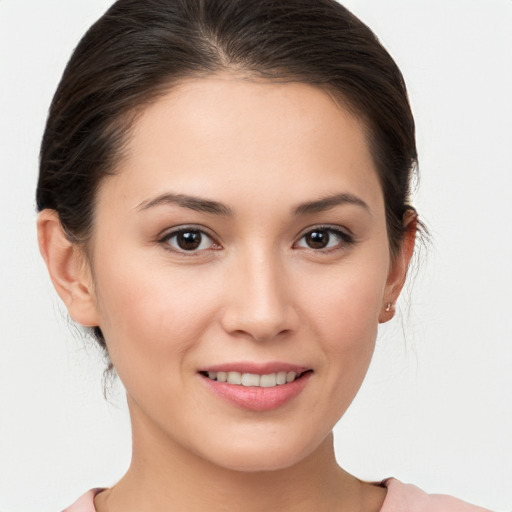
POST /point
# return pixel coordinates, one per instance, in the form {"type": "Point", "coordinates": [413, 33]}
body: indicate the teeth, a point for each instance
{"type": "Point", "coordinates": [234, 378]}
{"type": "Point", "coordinates": [250, 379]}
{"type": "Point", "coordinates": [269, 380]}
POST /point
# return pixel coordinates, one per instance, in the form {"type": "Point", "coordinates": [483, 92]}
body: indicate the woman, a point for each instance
{"type": "Point", "coordinates": [224, 201]}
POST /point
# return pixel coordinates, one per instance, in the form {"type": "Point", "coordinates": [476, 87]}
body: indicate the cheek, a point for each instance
{"type": "Point", "coordinates": [150, 317]}
{"type": "Point", "coordinates": [345, 303]}
{"type": "Point", "coordinates": [344, 312]}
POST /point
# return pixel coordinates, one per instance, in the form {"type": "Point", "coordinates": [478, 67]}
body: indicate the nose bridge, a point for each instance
{"type": "Point", "coordinates": [260, 305]}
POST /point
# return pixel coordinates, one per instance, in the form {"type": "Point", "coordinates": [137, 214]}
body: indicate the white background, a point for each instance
{"type": "Point", "coordinates": [436, 408]}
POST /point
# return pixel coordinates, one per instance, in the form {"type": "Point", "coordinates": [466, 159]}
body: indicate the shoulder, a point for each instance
{"type": "Point", "coordinates": [400, 498]}
{"type": "Point", "coordinates": [409, 498]}
{"type": "Point", "coordinates": [85, 503]}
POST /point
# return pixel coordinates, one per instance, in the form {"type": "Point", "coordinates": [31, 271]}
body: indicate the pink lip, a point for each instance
{"type": "Point", "coordinates": [259, 368]}
{"type": "Point", "coordinates": [254, 398]}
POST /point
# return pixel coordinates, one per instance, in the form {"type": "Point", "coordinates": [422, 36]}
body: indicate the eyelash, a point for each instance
{"type": "Point", "coordinates": [344, 240]}
{"type": "Point", "coordinates": [165, 241]}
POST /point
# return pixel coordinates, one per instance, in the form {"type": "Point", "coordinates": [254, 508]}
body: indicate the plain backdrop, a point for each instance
{"type": "Point", "coordinates": [436, 408]}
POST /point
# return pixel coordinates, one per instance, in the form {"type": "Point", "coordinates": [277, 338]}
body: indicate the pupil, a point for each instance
{"type": "Point", "coordinates": [318, 239]}
{"type": "Point", "coordinates": [189, 240]}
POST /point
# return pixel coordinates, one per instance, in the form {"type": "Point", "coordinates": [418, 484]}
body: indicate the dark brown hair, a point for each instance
{"type": "Point", "coordinates": [138, 49]}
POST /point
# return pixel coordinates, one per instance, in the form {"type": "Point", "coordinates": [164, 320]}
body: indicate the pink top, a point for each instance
{"type": "Point", "coordinates": [400, 498]}
{"type": "Point", "coordinates": [409, 498]}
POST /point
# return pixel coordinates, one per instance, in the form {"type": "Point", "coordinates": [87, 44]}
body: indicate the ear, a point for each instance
{"type": "Point", "coordinates": [68, 268]}
{"type": "Point", "coordinates": [399, 266]}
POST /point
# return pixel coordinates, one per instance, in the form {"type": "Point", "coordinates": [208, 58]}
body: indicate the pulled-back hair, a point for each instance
{"type": "Point", "coordinates": [138, 50]}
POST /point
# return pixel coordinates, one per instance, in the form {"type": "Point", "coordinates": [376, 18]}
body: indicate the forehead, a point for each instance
{"type": "Point", "coordinates": [230, 138]}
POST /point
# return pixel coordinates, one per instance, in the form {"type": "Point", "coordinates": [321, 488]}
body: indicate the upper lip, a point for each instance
{"type": "Point", "coordinates": [256, 368]}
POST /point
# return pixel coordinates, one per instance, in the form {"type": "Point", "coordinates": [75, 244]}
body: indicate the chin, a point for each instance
{"type": "Point", "coordinates": [271, 455]}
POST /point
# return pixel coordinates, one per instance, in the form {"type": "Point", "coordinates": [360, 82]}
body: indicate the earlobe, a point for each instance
{"type": "Point", "coordinates": [68, 269]}
{"type": "Point", "coordinates": [398, 268]}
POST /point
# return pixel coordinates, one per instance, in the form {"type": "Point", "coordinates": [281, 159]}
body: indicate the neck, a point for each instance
{"type": "Point", "coordinates": [167, 476]}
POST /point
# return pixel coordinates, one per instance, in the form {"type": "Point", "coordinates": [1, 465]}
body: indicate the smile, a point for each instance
{"type": "Point", "coordinates": [256, 388]}
{"type": "Point", "coordinates": [267, 380]}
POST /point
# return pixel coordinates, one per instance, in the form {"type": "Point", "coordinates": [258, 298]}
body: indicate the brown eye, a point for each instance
{"type": "Point", "coordinates": [188, 240]}
{"type": "Point", "coordinates": [324, 238]}
{"type": "Point", "coordinates": [318, 239]}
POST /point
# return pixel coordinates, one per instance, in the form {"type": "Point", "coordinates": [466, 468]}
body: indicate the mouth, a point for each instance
{"type": "Point", "coordinates": [265, 380]}
{"type": "Point", "coordinates": [256, 388]}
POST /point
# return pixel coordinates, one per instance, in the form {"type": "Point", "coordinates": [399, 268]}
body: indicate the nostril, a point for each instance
{"type": "Point", "coordinates": [262, 334]}
{"type": "Point", "coordinates": [260, 325]}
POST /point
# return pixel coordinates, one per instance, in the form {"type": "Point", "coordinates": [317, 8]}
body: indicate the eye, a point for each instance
{"type": "Point", "coordinates": [189, 240]}
{"type": "Point", "coordinates": [324, 238]}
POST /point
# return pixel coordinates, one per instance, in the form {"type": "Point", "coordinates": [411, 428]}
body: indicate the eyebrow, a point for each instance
{"type": "Point", "coordinates": [326, 203]}
{"type": "Point", "coordinates": [197, 204]}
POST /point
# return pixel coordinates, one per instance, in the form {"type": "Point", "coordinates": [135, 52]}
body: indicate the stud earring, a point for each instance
{"type": "Point", "coordinates": [388, 307]}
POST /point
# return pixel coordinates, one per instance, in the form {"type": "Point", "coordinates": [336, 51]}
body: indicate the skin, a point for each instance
{"type": "Point", "coordinates": [254, 291]}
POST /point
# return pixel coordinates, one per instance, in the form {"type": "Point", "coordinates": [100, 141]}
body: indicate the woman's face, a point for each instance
{"type": "Point", "coordinates": [244, 235]}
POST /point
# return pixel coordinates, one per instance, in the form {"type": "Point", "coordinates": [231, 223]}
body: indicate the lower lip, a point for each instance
{"type": "Point", "coordinates": [253, 398]}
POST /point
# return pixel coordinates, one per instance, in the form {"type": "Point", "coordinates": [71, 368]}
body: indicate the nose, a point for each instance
{"type": "Point", "coordinates": [260, 305]}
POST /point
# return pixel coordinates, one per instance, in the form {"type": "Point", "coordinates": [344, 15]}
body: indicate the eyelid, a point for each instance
{"type": "Point", "coordinates": [328, 227]}
{"type": "Point", "coordinates": [167, 234]}
{"type": "Point", "coordinates": [344, 233]}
